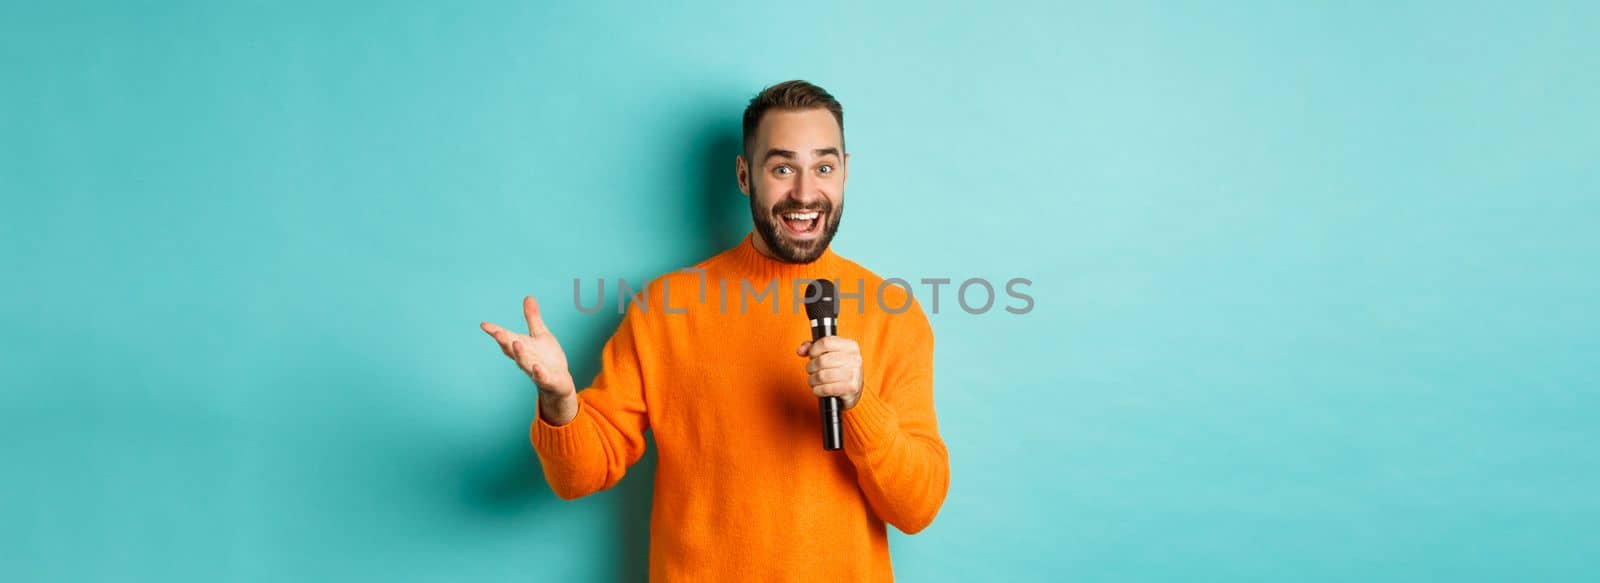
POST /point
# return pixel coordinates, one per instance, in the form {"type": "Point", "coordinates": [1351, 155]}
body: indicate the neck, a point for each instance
{"type": "Point", "coordinates": [761, 246]}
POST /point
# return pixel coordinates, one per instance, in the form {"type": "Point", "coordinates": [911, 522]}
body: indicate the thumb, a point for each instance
{"type": "Point", "coordinates": [804, 349]}
{"type": "Point", "coordinates": [530, 312]}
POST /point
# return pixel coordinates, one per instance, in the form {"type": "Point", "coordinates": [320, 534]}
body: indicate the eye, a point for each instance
{"type": "Point", "coordinates": [825, 169]}
{"type": "Point", "coordinates": [783, 170]}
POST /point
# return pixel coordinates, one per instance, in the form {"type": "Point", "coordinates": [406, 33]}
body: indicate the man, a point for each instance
{"type": "Point", "coordinates": [729, 385]}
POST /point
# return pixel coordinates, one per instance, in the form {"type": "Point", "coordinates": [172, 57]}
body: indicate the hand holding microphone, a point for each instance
{"type": "Point", "coordinates": [835, 367]}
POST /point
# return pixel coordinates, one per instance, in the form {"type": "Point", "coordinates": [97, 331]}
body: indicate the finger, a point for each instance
{"type": "Point", "coordinates": [499, 336]}
{"type": "Point", "coordinates": [530, 311]}
{"type": "Point", "coordinates": [833, 390]}
{"type": "Point", "coordinates": [540, 375]}
{"type": "Point", "coordinates": [830, 375]}
{"type": "Point", "coordinates": [523, 354]}
{"type": "Point", "coordinates": [804, 349]}
{"type": "Point", "coordinates": [504, 338]}
{"type": "Point", "coordinates": [832, 344]}
{"type": "Point", "coordinates": [833, 360]}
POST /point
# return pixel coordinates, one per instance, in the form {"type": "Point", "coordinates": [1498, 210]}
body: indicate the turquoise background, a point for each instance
{"type": "Point", "coordinates": [1316, 283]}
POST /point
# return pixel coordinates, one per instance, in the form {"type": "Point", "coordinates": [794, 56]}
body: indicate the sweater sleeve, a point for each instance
{"type": "Point", "coordinates": [593, 451]}
{"type": "Point", "coordinates": [892, 436]}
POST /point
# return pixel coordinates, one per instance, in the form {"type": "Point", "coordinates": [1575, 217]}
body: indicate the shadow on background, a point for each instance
{"type": "Point", "coordinates": [517, 482]}
{"type": "Point", "coordinates": [727, 212]}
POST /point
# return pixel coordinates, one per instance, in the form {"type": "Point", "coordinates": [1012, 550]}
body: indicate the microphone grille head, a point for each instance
{"type": "Point", "coordinates": [821, 301]}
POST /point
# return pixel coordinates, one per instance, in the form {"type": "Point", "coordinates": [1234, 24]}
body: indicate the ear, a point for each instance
{"type": "Point", "coordinates": [742, 170]}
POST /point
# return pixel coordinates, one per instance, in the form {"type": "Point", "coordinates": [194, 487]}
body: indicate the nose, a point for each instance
{"type": "Point", "coordinates": [805, 189]}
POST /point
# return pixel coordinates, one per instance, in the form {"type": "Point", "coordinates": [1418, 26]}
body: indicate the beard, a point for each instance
{"type": "Point", "coordinates": [785, 248]}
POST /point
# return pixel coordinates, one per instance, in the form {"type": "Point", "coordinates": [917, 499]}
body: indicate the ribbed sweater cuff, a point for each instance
{"type": "Point", "coordinates": [870, 423]}
{"type": "Point", "coordinates": [562, 441]}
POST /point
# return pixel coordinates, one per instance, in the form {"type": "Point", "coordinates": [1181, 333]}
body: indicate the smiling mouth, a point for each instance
{"type": "Point", "coordinates": [802, 224]}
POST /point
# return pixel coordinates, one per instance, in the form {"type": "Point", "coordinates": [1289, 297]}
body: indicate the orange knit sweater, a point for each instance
{"type": "Point", "coordinates": [743, 489]}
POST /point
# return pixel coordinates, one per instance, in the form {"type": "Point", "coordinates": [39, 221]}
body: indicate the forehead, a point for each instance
{"type": "Point", "coordinates": [800, 130]}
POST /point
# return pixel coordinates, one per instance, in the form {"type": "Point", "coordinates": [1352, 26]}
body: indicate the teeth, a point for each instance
{"type": "Point", "coordinates": [801, 216]}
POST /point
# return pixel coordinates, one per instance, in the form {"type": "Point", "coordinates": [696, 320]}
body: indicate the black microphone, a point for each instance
{"type": "Point", "coordinates": [823, 310]}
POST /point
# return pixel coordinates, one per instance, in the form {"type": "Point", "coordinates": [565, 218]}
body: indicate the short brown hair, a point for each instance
{"type": "Point", "coordinates": [789, 95]}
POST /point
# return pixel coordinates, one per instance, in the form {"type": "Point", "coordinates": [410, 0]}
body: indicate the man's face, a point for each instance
{"type": "Point", "coordinates": [795, 180]}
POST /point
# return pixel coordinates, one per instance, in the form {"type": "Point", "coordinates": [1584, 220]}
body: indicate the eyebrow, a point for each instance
{"type": "Point", "coordinates": [819, 152]}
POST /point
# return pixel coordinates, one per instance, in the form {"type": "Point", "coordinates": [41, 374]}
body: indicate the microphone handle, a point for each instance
{"type": "Point", "coordinates": [831, 407]}
{"type": "Point", "coordinates": [832, 429]}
